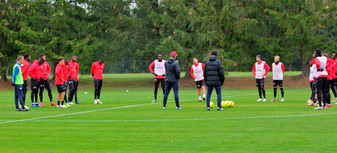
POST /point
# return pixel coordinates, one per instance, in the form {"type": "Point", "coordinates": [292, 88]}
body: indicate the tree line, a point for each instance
{"type": "Point", "coordinates": [117, 29]}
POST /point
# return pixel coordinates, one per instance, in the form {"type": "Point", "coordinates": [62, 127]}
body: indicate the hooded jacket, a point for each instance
{"type": "Point", "coordinates": [172, 71]}
{"type": "Point", "coordinates": [213, 72]}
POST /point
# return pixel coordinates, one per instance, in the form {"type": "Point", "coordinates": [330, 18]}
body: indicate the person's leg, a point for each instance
{"type": "Point", "coordinates": [203, 92]}
{"type": "Point", "coordinates": [16, 97]}
{"type": "Point", "coordinates": [163, 85]}
{"type": "Point", "coordinates": [25, 88]}
{"type": "Point", "coordinates": [65, 92]}
{"type": "Point", "coordinates": [275, 91]}
{"type": "Point", "coordinates": [168, 87]}
{"type": "Point", "coordinates": [176, 93]}
{"type": "Point", "coordinates": [96, 88]}
{"type": "Point", "coordinates": [20, 96]}
{"type": "Point", "coordinates": [99, 88]}
{"type": "Point", "coordinates": [319, 83]}
{"type": "Point", "coordinates": [71, 90]}
{"type": "Point", "coordinates": [281, 88]}
{"type": "Point", "coordinates": [332, 86]}
{"type": "Point", "coordinates": [327, 91]}
{"type": "Point", "coordinates": [218, 92]}
{"type": "Point", "coordinates": [324, 92]}
{"type": "Point", "coordinates": [262, 88]}
{"type": "Point", "coordinates": [75, 92]}
{"type": "Point", "coordinates": [41, 90]}
{"type": "Point", "coordinates": [209, 93]}
{"type": "Point", "coordinates": [62, 97]}
{"type": "Point", "coordinates": [156, 84]}
{"type": "Point", "coordinates": [58, 99]}
{"type": "Point", "coordinates": [199, 93]}
{"type": "Point", "coordinates": [49, 91]}
{"type": "Point", "coordinates": [258, 84]}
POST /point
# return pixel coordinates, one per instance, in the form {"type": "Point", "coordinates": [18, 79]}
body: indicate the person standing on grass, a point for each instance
{"type": "Point", "coordinates": [312, 76]}
{"type": "Point", "coordinates": [172, 79]}
{"type": "Point", "coordinates": [260, 70]}
{"type": "Point", "coordinates": [321, 62]}
{"type": "Point", "coordinates": [45, 71]}
{"type": "Point", "coordinates": [159, 73]}
{"type": "Point", "coordinates": [24, 68]}
{"type": "Point", "coordinates": [197, 73]}
{"type": "Point", "coordinates": [97, 69]}
{"type": "Point", "coordinates": [214, 78]}
{"type": "Point", "coordinates": [17, 81]}
{"type": "Point", "coordinates": [278, 70]}
{"type": "Point", "coordinates": [328, 84]}
{"type": "Point", "coordinates": [65, 79]}
{"type": "Point", "coordinates": [34, 73]}
{"type": "Point", "coordinates": [59, 82]}
{"type": "Point", "coordinates": [73, 68]}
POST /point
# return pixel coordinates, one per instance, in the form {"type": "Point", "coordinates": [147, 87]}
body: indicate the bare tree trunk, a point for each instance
{"type": "Point", "coordinates": [4, 77]}
{"type": "Point", "coordinates": [305, 69]}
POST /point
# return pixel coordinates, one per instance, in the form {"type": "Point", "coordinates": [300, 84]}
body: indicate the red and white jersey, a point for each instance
{"type": "Point", "coordinates": [260, 70]}
{"type": "Point", "coordinates": [159, 67]}
{"type": "Point", "coordinates": [278, 70]}
{"type": "Point", "coordinates": [321, 64]}
{"type": "Point", "coordinates": [198, 72]}
{"type": "Point", "coordinates": [313, 73]}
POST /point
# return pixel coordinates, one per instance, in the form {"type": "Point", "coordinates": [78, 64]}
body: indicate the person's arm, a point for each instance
{"type": "Point", "coordinates": [25, 69]}
{"type": "Point", "coordinates": [203, 66]}
{"type": "Point", "coordinates": [315, 61]}
{"type": "Point", "coordinates": [93, 69]}
{"type": "Point", "coordinates": [266, 66]}
{"type": "Point", "coordinates": [192, 73]}
{"type": "Point", "coordinates": [253, 70]}
{"type": "Point", "coordinates": [282, 67]}
{"type": "Point", "coordinates": [221, 73]}
{"type": "Point", "coordinates": [151, 67]}
{"type": "Point", "coordinates": [58, 74]}
{"type": "Point", "coordinates": [15, 73]}
{"type": "Point", "coordinates": [30, 71]}
{"type": "Point", "coordinates": [177, 70]}
{"type": "Point", "coordinates": [48, 69]}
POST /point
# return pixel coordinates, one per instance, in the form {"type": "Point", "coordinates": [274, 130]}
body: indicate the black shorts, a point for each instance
{"type": "Point", "coordinates": [73, 84]}
{"type": "Point", "coordinates": [278, 83]}
{"type": "Point", "coordinates": [200, 83]}
{"type": "Point", "coordinates": [34, 84]}
{"type": "Point", "coordinates": [98, 84]}
{"type": "Point", "coordinates": [60, 88]}
{"type": "Point", "coordinates": [260, 82]}
{"type": "Point", "coordinates": [334, 81]}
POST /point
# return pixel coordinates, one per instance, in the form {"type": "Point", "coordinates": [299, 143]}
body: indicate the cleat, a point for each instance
{"type": "Point", "coordinates": [208, 108]}
{"type": "Point", "coordinates": [26, 107]}
{"type": "Point", "coordinates": [178, 108]}
{"type": "Point", "coordinates": [310, 101]}
{"type": "Point", "coordinates": [95, 102]}
{"type": "Point", "coordinates": [33, 105]}
{"type": "Point", "coordinates": [282, 100]}
{"type": "Point", "coordinates": [18, 110]}
{"type": "Point", "coordinates": [264, 99]}
{"type": "Point", "coordinates": [154, 101]}
{"type": "Point", "coordinates": [312, 104]}
{"type": "Point", "coordinates": [52, 104]}
{"type": "Point", "coordinates": [328, 105]}
{"type": "Point", "coordinates": [274, 99]}
{"type": "Point", "coordinates": [63, 106]}
{"type": "Point", "coordinates": [259, 100]}
{"type": "Point", "coordinates": [319, 108]}
{"type": "Point", "coordinates": [37, 105]}
{"type": "Point", "coordinates": [199, 101]}
{"type": "Point", "coordinates": [164, 107]}
{"type": "Point", "coordinates": [58, 106]}
{"type": "Point", "coordinates": [25, 110]}
{"type": "Point", "coordinates": [204, 99]}
{"type": "Point", "coordinates": [42, 104]}
{"type": "Point", "coordinates": [71, 103]}
{"type": "Point", "coordinates": [220, 109]}
{"type": "Point", "coordinates": [99, 102]}
{"type": "Point", "coordinates": [78, 102]}
{"type": "Point", "coordinates": [68, 105]}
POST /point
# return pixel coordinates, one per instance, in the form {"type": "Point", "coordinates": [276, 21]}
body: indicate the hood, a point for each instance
{"type": "Point", "coordinates": [212, 58]}
{"type": "Point", "coordinates": [170, 60]}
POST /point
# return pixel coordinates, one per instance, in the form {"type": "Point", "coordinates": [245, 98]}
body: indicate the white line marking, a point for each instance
{"type": "Point", "coordinates": [186, 119]}
{"type": "Point", "coordinates": [90, 111]}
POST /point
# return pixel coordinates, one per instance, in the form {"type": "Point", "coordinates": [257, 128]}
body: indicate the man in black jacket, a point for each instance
{"type": "Point", "coordinates": [172, 79]}
{"type": "Point", "coordinates": [214, 77]}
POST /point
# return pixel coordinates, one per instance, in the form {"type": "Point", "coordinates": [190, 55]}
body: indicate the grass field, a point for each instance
{"type": "Point", "coordinates": [129, 122]}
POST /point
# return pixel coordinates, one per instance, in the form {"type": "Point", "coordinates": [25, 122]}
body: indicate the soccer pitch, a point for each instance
{"type": "Point", "coordinates": [129, 122]}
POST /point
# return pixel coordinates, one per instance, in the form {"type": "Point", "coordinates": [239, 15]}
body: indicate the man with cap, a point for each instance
{"type": "Point", "coordinates": [260, 70]}
{"type": "Point", "coordinates": [172, 79]}
{"type": "Point", "coordinates": [159, 73]}
{"type": "Point", "coordinates": [214, 77]}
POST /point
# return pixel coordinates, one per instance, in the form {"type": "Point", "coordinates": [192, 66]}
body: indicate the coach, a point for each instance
{"type": "Point", "coordinates": [214, 77]}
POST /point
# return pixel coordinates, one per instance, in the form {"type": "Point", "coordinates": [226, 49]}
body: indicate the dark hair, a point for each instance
{"type": "Point", "coordinates": [73, 56]}
{"type": "Point", "coordinates": [101, 59]}
{"type": "Point", "coordinates": [309, 60]}
{"type": "Point", "coordinates": [214, 52]}
{"type": "Point", "coordinates": [41, 59]}
{"type": "Point", "coordinates": [334, 53]}
{"type": "Point", "coordinates": [25, 56]}
{"type": "Point", "coordinates": [42, 55]}
{"type": "Point", "coordinates": [60, 59]}
{"type": "Point", "coordinates": [318, 52]}
{"type": "Point", "coordinates": [66, 59]}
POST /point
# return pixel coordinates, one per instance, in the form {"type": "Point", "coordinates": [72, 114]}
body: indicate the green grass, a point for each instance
{"type": "Point", "coordinates": [248, 127]}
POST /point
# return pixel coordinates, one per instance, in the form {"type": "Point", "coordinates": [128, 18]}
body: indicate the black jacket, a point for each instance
{"type": "Point", "coordinates": [172, 71]}
{"type": "Point", "coordinates": [213, 72]}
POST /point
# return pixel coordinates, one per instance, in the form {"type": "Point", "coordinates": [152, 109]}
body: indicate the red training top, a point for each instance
{"type": "Point", "coordinates": [59, 79]}
{"type": "Point", "coordinates": [73, 69]}
{"type": "Point", "coordinates": [97, 70]}
{"type": "Point", "coordinates": [65, 72]}
{"type": "Point", "coordinates": [34, 71]}
{"type": "Point", "coordinates": [45, 71]}
{"type": "Point", "coordinates": [24, 69]}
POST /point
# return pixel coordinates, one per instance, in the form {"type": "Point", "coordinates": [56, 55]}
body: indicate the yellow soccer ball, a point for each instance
{"type": "Point", "coordinates": [223, 104]}
{"type": "Point", "coordinates": [211, 104]}
{"type": "Point", "coordinates": [231, 104]}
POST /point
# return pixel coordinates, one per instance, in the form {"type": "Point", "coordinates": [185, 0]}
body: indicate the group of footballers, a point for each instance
{"type": "Point", "coordinates": [323, 77]}
{"type": "Point", "coordinates": [66, 74]}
